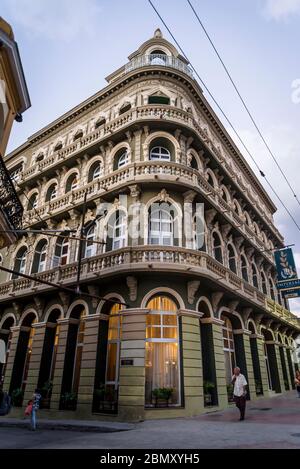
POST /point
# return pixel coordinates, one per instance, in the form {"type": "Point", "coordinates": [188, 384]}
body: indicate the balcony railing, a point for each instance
{"type": "Point", "coordinates": [160, 60]}
{"type": "Point", "coordinates": [10, 204]}
{"type": "Point", "coordinates": [150, 258]}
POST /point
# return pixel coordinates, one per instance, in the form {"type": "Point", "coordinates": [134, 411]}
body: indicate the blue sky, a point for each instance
{"type": "Point", "coordinates": [69, 46]}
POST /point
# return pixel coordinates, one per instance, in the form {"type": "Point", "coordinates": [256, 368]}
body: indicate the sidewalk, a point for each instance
{"type": "Point", "coordinates": [94, 426]}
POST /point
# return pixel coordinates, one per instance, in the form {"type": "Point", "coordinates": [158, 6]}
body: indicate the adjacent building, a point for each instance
{"type": "Point", "coordinates": [177, 299]}
{"type": "Point", "coordinates": [14, 100]}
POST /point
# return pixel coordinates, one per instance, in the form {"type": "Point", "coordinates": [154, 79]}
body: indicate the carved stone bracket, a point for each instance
{"type": "Point", "coordinates": [210, 215]}
{"type": "Point", "coordinates": [192, 288]}
{"type": "Point", "coordinates": [132, 285]}
{"type": "Point", "coordinates": [163, 195]}
{"type": "Point", "coordinates": [239, 241]}
{"type": "Point", "coordinates": [246, 313]}
{"type": "Point", "coordinates": [215, 299]}
{"type": "Point", "coordinates": [39, 303]}
{"type": "Point", "coordinates": [232, 305]}
{"type": "Point", "coordinates": [94, 290]}
{"type": "Point", "coordinates": [65, 300]}
{"type": "Point", "coordinates": [225, 229]}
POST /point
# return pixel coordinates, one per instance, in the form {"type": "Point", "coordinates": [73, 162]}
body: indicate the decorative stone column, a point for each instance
{"type": "Point", "coordinates": [262, 363]}
{"type": "Point", "coordinates": [88, 364]}
{"type": "Point", "coordinates": [275, 368]}
{"type": "Point", "coordinates": [59, 363]}
{"type": "Point", "coordinates": [15, 332]}
{"type": "Point", "coordinates": [35, 360]}
{"type": "Point", "coordinates": [217, 340]}
{"type": "Point", "coordinates": [131, 403]}
{"type": "Point", "coordinates": [246, 359]}
{"type": "Point", "coordinates": [191, 366]}
{"type": "Point", "coordinates": [285, 354]}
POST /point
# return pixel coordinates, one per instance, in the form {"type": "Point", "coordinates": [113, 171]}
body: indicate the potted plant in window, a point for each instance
{"type": "Point", "coordinates": [208, 390]}
{"type": "Point", "coordinates": [162, 394]}
{"type": "Point", "coordinates": [17, 397]}
{"type": "Point", "coordinates": [230, 392]}
{"type": "Point", "coordinates": [69, 401]}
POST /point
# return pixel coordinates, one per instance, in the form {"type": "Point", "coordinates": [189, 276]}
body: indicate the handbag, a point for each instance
{"type": "Point", "coordinates": [28, 409]}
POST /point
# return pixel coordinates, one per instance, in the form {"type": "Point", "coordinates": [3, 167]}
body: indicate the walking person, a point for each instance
{"type": "Point", "coordinates": [297, 382]}
{"type": "Point", "coordinates": [35, 406]}
{"type": "Point", "coordinates": [239, 391]}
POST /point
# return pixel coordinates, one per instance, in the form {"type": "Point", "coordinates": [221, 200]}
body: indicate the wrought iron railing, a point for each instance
{"type": "Point", "coordinates": [10, 204]}
{"type": "Point", "coordinates": [161, 60]}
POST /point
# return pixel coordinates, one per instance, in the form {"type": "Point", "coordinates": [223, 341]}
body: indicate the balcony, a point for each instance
{"type": "Point", "coordinates": [159, 60]}
{"type": "Point", "coordinates": [148, 259]}
{"type": "Point", "coordinates": [10, 205]}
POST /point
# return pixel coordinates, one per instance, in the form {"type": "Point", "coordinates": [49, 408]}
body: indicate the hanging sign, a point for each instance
{"type": "Point", "coordinates": [292, 293]}
{"type": "Point", "coordinates": [285, 265]}
{"type": "Point", "coordinates": [289, 284]}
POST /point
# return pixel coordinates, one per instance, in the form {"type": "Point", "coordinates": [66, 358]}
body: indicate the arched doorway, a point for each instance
{"type": "Point", "coordinates": [22, 359]}
{"type": "Point", "coordinates": [73, 355]}
{"type": "Point", "coordinates": [208, 357]}
{"type": "Point", "coordinates": [106, 384]}
{"type": "Point", "coordinates": [48, 359]}
{"type": "Point", "coordinates": [271, 361]}
{"type": "Point", "coordinates": [162, 360]}
{"type": "Point", "coordinates": [255, 360]}
{"type": "Point", "coordinates": [6, 335]}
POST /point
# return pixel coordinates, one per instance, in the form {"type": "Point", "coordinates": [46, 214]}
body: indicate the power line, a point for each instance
{"type": "Point", "coordinates": [224, 115]}
{"type": "Point", "coordinates": [243, 101]}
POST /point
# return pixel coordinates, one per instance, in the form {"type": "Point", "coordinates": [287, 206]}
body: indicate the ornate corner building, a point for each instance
{"type": "Point", "coordinates": [178, 314]}
{"type": "Point", "coordinates": [14, 100]}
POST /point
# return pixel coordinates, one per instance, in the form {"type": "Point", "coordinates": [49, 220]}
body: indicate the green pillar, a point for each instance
{"type": "Point", "coordinates": [245, 359]}
{"type": "Point", "coordinates": [262, 364]}
{"type": "Point", "coordinates": [191, 362]}
{"type": "Point", "coordinates": [219, 360]}
{"type": "Point", "coordinates": [277, 346]}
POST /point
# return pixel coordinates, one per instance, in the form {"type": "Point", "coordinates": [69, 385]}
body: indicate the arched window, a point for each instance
{"type": "Point", "coordinates": [96, 171]}
{"type": "Point", "coordinates": [162, 149]}
{"type": "Point", "coordinates": [39, 258]}
{"type": "Point", "coordinates": [194, 163]}
{"type": "Point", "coordinates": [159, 153]}
{"type": "Point", "coordinates": [20, 262]}
{"type": "Point", "coordinates": [158, 99]}
{"type": "Point", "coordinates": [244, 268]}
{"type": "Point", "coordinates": [73, 356]}
{"type": "Point", "coordinates": [126, 107]}
{"type": "Point", "coordinates": [33, 201]}
{"type": "Point", "coordinates": [51, 193]}
{"type": "Point", "coordinates": [90, 246]}
{"type": "Point", "coordinates": [228, 347]}
{"type": "Point", "coordinates": [99, 122]}
{"type": "Point", "coordinates": [113, 352]}
{"type": "Point", "coordinates": [122, 159]}
{"type": "Point", "coordinates": [231, 258]}
{"type": "Point", "coordinates": [158, 57]}
{"type": "Point", "coordinates": [210, 180]}
{"type": "Point", "coordinates": [162, 349]}
{"type": "Point", "coordinates": [119, 231]}
{"type": "Point", "coordinates": [79, 134]}
{"type": "Point", "coordinates": [217, 247]}
{"type": "Point", "coordinates": [254, 276]}
{"type": "Point", "coordinates": [6, 336]}
{"type": "Point", "coordinates": [263, 283]}
{"type": "Point", "coordinates": [199, 230]}
{"type": "Point", "coordinates": [61, 253]}
{"type": "Point", "coordinates": [72, 182]}
{"type": "Point", "coordinates": [272, 289]}
{"type": "Point", "coordinates": [161, 224]}
{"type": "Point", "coordinates": [58, 146]}
{"type": "Point", "coordinates": [15, 173]}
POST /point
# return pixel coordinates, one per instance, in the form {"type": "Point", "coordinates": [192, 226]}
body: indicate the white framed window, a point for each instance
{"type": "Point", "coordinates": [97, 171]}
{"type": "Point", "coordinates": [113, 349]}
{"type": "Point", "coordinates": [20, 262]}
{"type": "Point", "coordinates": [40, 256]}
{"type": "Point", "coordinates": [244, 268]}
{"type": "Point", "coordinates": [15, 173]}
{"type": "Point", "coordinates": [231, 258]}
{"type": "Point", "coordinates": [254, 276]}
{"type": "Point", "coordinates": [217, 247]}
{"type": "Point", "coordinates": [51, 193]}
{"type": "Point", "coordinates": [119, 231]}
{"type": "Point", "coordinates": [161, 227]}
{"type": "Point", "coordinates": [160, 153]}
{"type": "Point", "coordinates": [33, 201]}
{"type": "Point", "coordinates": [90, 246]}
{"type": "Point", "coordinates": [123, 159]}
{"type": "Point", "coordinates": [61, 252]}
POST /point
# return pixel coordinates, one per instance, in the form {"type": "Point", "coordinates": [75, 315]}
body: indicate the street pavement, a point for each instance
{"type": "Point", "coordinates": [270, 423]}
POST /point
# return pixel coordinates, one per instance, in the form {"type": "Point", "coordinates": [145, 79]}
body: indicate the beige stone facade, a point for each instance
{"type": "Point", "coordinates": [181, 306]}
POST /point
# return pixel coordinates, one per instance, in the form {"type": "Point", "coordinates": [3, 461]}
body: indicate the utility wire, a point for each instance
{"type": "Point", "coordinates": [243, 102]}
{"type": "Point", "coordinates": [225, 116]}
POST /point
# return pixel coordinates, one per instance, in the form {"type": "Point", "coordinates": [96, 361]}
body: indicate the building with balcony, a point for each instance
{"type": "Point", "coordinates": [14, 100]}
{"type": "Point", "coordinates": [184, 302]}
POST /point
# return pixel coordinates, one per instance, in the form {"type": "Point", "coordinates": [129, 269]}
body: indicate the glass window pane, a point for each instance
{"type": "Point", "coordinates": [170, 319]}
{"type": "Point", "coordinates": [153, 333]}
{"type": "Point", "coordinates": [170, 332]}
{"type": "Point", "coordinates": [111, 362]}
{"type": "Point", "coordinates": [153, 319]}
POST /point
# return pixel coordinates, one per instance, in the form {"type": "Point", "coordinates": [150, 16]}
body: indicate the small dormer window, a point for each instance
{"type": "Point", "coordinates": [157, 99]}
{"type": "Point", "coordinates": [78, 135]}
{"type": "Point", "coordinates": [58, 146]}
{"type": "Point", "coordinates": [99, 122]}
{"type": "Point", "coordinates": [126, 107]}
{"type": "Point", "coordinates": [158, 57]}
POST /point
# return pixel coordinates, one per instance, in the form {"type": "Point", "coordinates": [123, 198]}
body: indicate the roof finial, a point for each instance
{"type": "Point", "coordinates": [158, 33]}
